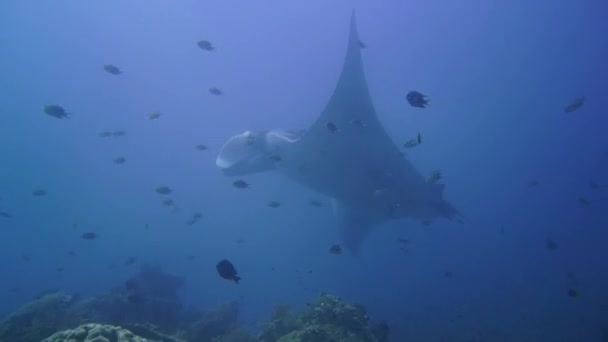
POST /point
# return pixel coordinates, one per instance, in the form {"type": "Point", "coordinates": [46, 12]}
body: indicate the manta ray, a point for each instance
{"type": "Point", "coordinates": [346, 155]}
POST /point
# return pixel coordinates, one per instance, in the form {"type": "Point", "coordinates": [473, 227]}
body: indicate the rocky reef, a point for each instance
{"type": "Point", "coordinates": [147, 308]}
{"type": "Point", "coordinates": [96, 333]}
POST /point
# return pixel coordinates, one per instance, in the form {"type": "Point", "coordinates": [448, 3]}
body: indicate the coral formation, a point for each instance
{"type": "Point", "coordinates": [96, 333]}
{"type": "Point", "coordinates": [214, 323]}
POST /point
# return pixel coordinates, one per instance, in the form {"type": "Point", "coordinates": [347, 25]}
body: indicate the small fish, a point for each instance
{"type": "Point", "coordinates": [402, 240]}
{"type": "Point", "coordinates": [274, 204]}
{"type": "Point", "coordinates": [419, 138]}
{"type": "Point", "coordinates": [26, 257]}
{"type": "Point", "coordinates": [584, 201]}
{"type": "Point", "coordinates": [361, 44]}
{"type": "Point", "coordinates": [241, 184]}
{"type": "Point", "coordinates": [411, 143]}
{"type": "Point", "coordinates": [357, 122]}
{"type": "Point", "coordinates": [39, 193]}
{"type": "Point", "coordinates": [201, 147]}
{"type": "Point", "coordinates": [163, 190]}
{"type": "Point", "coordinates": [168, 202]}
{"type": "Point", "coordinates": [532, 183]}
{"type": "Point", "coordinates": [6, 215]}
{"type": "Point", "coordinates": [215, 91]}
{"type": "Point", "coordinates": [332, 128]}
{"type": "Point", "coordinates": [575, 104]}
{"type": "Point", "coordinates": [275, 158]}
{"type": "Point", "coordinates": [427, 223]}
{"type": "Point", "coordinates": [594, 185]}
{"type": "Point", "coordinates": [434, 177]}
{"type": "Point", "coordinates": [112, 69]}
{"type": "Point", "coordinates": [191, 257]}
{"type": "Point", "coordinates": [119, 160]}
{"type": "Point", "coordinates": [316, 203]}
{"type": "Point", "coordinates": [550, 244]}
{"type": "Point", "coordinates": [71, 254]}
{"type": "Point", "coordinates": [205, 45]}
{"type": "Point", "coordinates": [573, 293]}
{"type": "Point", "coordinates": [153, 115]}
{"type": "Point", "coordinates": [104, 134]}
{"type": "Point", "coordinates": [241, 240]}
{"type": "Point", "coordinates": [88, 236]}
{"type": "Point", "coordinates": [130, 260]}
{"type": "Point", "coordinates": [119, 133]}
{"type": "Point", "coordinates": [59, 269]}
{"type": "Point", "coordinates": [417, 99]}
{"type": "Point", "coordinates": [56, 111]}
{"type": "Point", "coordinates": [335, 249]}
{"type": "Point", "coordinates": [226, 270]}
{"type": "Point", "coordinates": [449, 274]}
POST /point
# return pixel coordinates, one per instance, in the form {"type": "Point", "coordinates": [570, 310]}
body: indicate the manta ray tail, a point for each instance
{"type": "Point", "coordinates": [355, 225]}
{"type": "Point", "coordinates": [444, 208]}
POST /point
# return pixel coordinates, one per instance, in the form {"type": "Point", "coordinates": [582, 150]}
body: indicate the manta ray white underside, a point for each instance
{"type": "Point", "coordinates": [346, 155]}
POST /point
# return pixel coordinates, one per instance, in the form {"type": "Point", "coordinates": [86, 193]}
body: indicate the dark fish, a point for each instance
{"type": "Point", "coordinates": [119, 160]}
{"type": "Point", "coordinates": [335, 249]}
{"type": "Point", "coordinates": [59, 269]}
{"type": "Point", "coordinates": [573, 293]}
{"type": "Point", "coordinates": [215, 91]}
{"type": "Point", "coordinates": [502, 229]}
{"type": "Point", "coordinates": [419, 138]}
{"type": "Point", "coordinates": [316, 203]}
{"type": "Point", "coordinates": [88, 236]}
{"type": "Point", "coordinates": [361, 44]}
{"type": "Point", "coordinates": [130, 260]}
{"type": "Point", "coordinates": [241, 184]}
{"type": "Point", "coordinates": [274, 204]}
{"type": "Point", "coordinates": [191, 257]}
{"type": "Point", "coordinates": [550, 244]}
{"type": "Point", "coordinates": [575, 104]}
{"type": "Point", "coordinates": [275, 158]}
{"type": "Point", "coordinates": [195, 218]}
{"type": "Point", "coordinates": [119, 133]}
{"type": "Point", "coordinates": [227, 271]}
{"type": "Point", "coordinates": [104, 134]}
{"type": "Point", "coordinates": [427, 223]}
{"type": "Point", "coordinates": [201, 147]}
{"type": "Point", "coordinates": [112, 69]}
{"type": "Point", "coordinates": [241, 240]}
{"type": "Point", "coordinates": [205, 45]}
{"type": "Point", "coordinates": [164, 190]}
{"type": "Point", "coordinates": [332, 128]}
{"type": "Point", "coordinates": [39, 193]}
{"type": "Point", "coordinates": [417, 99]}
{"type": "Point", "coordinates": [449, 274]}
{"type": "Point", "coordinates": [583, 201]}
{"type": "Point", "coordinates": [532, 183]}
{"type": "Point", "coordinates": [168, 202]}
{"type": "Point", "coordinates": [56, 111]}
{"type": "Point", "coordinates": [5, 214]}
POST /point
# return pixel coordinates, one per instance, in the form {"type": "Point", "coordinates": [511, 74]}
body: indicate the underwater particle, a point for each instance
{"type": "Point", "coordinates": [575, 104]}
{"type": "Point", "coordinates": [241, 184]}
{"type": "Point", "coordinates": [5, 215]}
{"type": "Point", "coordinates": [533, 183]}
{"type": "Point", "coordinates": [502, 229]}
{"type": "Point", "coordinates": [332, 128]}
{"type": "Point", "coordinates": [573, 293]}
{"type": "Point", "coordinates": [112, 69]}
{"type": "Point", "coordinates": [274, 204]}
{"type": "Point", "coordinates": [584, 201]}
{"type": "Point", "coordinates": [191, 257]}
{"type": "Point", "coordinates": [417, 99]}
{"type": "Point", "coordinates": [89, 236]}
{"type": "Point", "coordinates": [55, 111]}
{"type": "Point", "coordinates": [201, 147]}
{"type": "Point", "coordinates": [550, 244]}
{"type": "Point", "coordinates": [316, 203]}
{"type": "Point", "coordinates": [39, 193]}
{"type": "Point", "coordinates": [71, 254]}
{"type": "Point", "coordinates": [227, 271]}
{"type": "Point", "coordinates": [361, 44]}
{"type": "Point", "coordinates": [205, 45]}
{"type": "Point", "coordinates": [163, 190]}
{"type": "Point", "coordinates": [433, 177]}
{"type": "Point", "coordinates": [104, 134]}
{"type": "Point", "coordinates": [26, 257]}
{"type": "Point", "coordinates": [153, 115]}
{"type": "Point", "coordinates": [59, 269]}
{"type": "Point", "coordinates": [275, 158]}
{"type": "Point", "coordinates": [593, 185]}
{"type": "Point", "coordinates": [427, 222]}
{"type": "Point", "coordinates": [241, 240]}
{"type": "Point", "coordinates": [119, 160]}
{"type": "Point", "coordinates": [119, 133]}
{"type": "Point", "coordinates": [215, 91]}
{"type": "Point", "coordinates": [335, 249]}
{"type": "Point", "coordinates": [130, 260]}
{"type": "Point", "coordinates": [449, 274]}
{"type": "Point", "coordinates": [168, 202]}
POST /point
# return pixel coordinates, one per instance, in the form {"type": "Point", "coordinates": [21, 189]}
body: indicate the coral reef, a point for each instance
{"type": "Point", "coordinates": [329, 319]}
{"type": "Point", "coordinates": [96, 333]}
{"type": "Point", "coordinates": [214, 323]}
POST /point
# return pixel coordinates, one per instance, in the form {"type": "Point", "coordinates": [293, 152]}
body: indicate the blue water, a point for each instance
{"type": "Point", "coordinates": [498, 73]}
